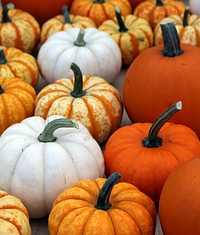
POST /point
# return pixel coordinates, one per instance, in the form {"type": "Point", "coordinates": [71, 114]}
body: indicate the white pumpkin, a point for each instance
{"type": "Point", "coordinates": [194, 6]}
{"type": "Point", "coordinates": [36, 169]}
{"type": "Point", "coordinates": [94, 51]}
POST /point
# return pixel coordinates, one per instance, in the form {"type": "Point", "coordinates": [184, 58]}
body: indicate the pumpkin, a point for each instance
{"type": "Point", "coordinates": [37, 165]}
{"type": "Point", "coordinates": [102, 206]}
{"type": "Point", "coordinates": [160, 76]}
{"type": "Point", "coordinates": [64, 22]}
{"type": "Point", "coordinates": [16, 103]}
{"type": "Point", "coordinates": [187, 25]}
{"type": "Point", "coordinates": [94, 51]}
{"type": "Point", "coordinates": [41, 10]}
{"type": "Point", "coordinates": [132, 34]}
{"type": "Point", "coordinates": [16, 63]}
{"type": "Point", "coordinates": [179, 201]}
{"type": "Point", "coordinates": [91, 100]}
{"type": "Point", "coordinates": [155, 10]}
{"type": "Point", "coordinates": [14, 218]}
{"type": "Point", "coordinates": [145, 154]}
{"type": "Point", "coordinates": [99, 10]}
{"type": "Point", "coordinates": [194, 7]}
{"type": "Point", "coordinates": [18, 29]}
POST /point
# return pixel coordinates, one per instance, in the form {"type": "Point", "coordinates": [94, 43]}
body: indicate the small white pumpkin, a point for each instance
{"type": "Point", "coordinates": [37, 167]}
{"type": "Point", "coordinates": [94, 51]}
{"type": "Point", "coordinates": [194, 6]}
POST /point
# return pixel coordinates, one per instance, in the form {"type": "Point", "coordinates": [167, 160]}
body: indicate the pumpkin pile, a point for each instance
{"type": "Point", "coordinates": [65, 152]}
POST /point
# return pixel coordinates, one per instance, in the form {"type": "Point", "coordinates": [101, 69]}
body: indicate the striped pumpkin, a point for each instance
{"type": "Point", "coordinates": [16, 101]}
{"type": "Point", "coordinates": [18, 29]}
{"type": "Point", "coordinates": [16, 63]}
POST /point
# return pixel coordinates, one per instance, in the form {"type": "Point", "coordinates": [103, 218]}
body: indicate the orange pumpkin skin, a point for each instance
{"type": "Point", "coordinates": [148, 168]}
{"type": "Point", "coordinates": [42, 11]}
{"type": "Point", "coordinates": [99, 10]}
{"type": "Point", "coordinates": [154, 13]}
{"type": "Point", "coordinates": [180, 202]}
{"type": "Point", "coordinates": [131, 211]}
{"type": "Point", "coordinates": [17, 101]}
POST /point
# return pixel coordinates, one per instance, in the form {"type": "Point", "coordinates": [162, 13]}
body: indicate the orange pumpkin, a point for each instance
{"type": "Point", "coordinates": [145, 154]}
{"type": "Point", "coordinates": [91, 100]}
{"type": "Point", "coordinates": [155, 10]}
{"type": "Point", "coordinates": [180, 202]}
{"type": "Point", "coordinates": [160, 76]}
{"type": "Point", "coordinates": [101, 206]}
{"type": "Point", "coordinates": [18, 29]}
{"type": "Point", "coordinates": [63, 22]}
{"type": "Point", "coordinates": [16, 63]}
{"type": "Point", "coordinates": [132, 34]}
{"type": "Point", "coordinates": [14, 218]}
{"type": "Point", "coordinates": [99, 10]}
{"type": "Point", "coordinates": [16, 103]}
{"type": "Point", "coordinates": [187, 25]}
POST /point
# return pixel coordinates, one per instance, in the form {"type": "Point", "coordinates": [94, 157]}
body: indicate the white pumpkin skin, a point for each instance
{"type": "Point", "coordinates": [37, 172]}
{"type": "Point", "coordinates": [100, 56]}
{"type": "Point", "coordinates": [194, 6]}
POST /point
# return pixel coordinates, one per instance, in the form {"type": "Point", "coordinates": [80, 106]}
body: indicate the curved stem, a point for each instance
{"type": "Point", "coordinates": [47, 134]}
{"type": "Point", "coordinates": [78, 81]}
{"type": "Point", "coordinates": [1, 90]}
{"type": "Point", "coordinates": [122, 27]}
{"type": "Point", "coordinates": [80, 39]}
{"type": "Point", "coordinates": [159, 3]}
{"type": "Point", "coordinates": [185, 17]}
{"type": "Point", "coordinates": [153, 140]}
{"type": "Point", "coordinates": [5, 17]}
{"type": "Point", "coordinates": [66, 15]}
{"type": "Point", "coordinates": [103, 202]}
{"type": "Point", "coordinates": [171, 40]}
{"type": "Point", "coordinates": [2, 57]}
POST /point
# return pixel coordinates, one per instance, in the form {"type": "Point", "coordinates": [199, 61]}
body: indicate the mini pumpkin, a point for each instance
{"type": "Point", "coordinates": [145, 154]}
{"type": "Point", "coordinates": [155, 10]}
{"type": "Point", "coordinates": [101, 206]}
{"type": "Point", "coordinates": [18, 29]}
{"type": "Point", "coordinates": [64, 22]}
{"type": "Point", "coordinates": [16, 63]}
{"type": "Point", "coordinates": [187, 25]}
{"type": "Point", "coordinates": [90, 100]}
{"type": "Point", "coordinates": [14, 218]}
{"type": "Point", "coordinates": [132, 34]}
{"type": "Point", "coordinates": [16, 103]}
{"type": "Point", "coordinates": [99, 10]}
{"type": "Point", "coordinates": [94, 51]}
{"type": "Point", "coordinates": [41, 158]}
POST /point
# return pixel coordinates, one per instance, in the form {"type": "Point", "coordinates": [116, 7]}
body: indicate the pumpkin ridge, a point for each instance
{"type": "Point", "coordinates": [18, 42]}
{"type": "Point", "coordinates": [36, 38]}
{"type": "Point", "coordinates": [12, 221]}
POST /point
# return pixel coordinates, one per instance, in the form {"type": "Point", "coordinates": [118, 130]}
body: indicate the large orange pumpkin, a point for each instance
{"type": "Point", "coordinates": [41, 10]}
{"type": "Point", "coordinates": [160, 76]}
{"type": "Point", "coordinates": [145, 154]}
{"type": "Point", "coordinates": [102, 207]}
{"type": "Point", "coordinates": [180, 202]}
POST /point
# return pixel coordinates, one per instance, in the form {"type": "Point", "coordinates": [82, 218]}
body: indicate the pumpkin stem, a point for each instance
{"type": "Point", "coordinates": [47, 133]}
{"type": "Point", "coordinates": [122, 27]}
{"type": "Point", "coordinates": [159, 3]}
{"type": "Point", "coordinates": [153, 140]}
{"type": "Point", "coordinates": [1, 90]}
{"type": "Point", "coordinates": [171, 40]}
{"type": "Point", "coordinates": [103, 202]}
{"type": "Point", "coordinates": [2, 57]}
{"type": "Point", "coordinates": [99, 1]}
{"type": "Point", "coordinates": [5, 17]}
{"type": "Point", "coordinates": [80, 39]}
{"type": "Point", "coordinates": [185, 16]}
{"type": "Point", "coordinates": [78, 81]}
{"type": "Point", "coordinates": [66, 15]}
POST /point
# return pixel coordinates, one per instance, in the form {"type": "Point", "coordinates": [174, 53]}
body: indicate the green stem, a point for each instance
{"type": "Point", "coordinates": [47, 134]}
{"type": "Point", "coordinates": [5, 17]}
{"type": "Point", "coordinates": [171, 40]}
{"type": "Point", "coordinates": [122, 27]}
{"type": "Point", "coordinates": [99, 1]}
{"type": "Point", "coordinates": [2, 57]}
{"type": "Point", "coordinates": [80, 39]}
{"type": "Point", "coordinates": [78, 81]}
{"type": "Point", "coordinates": [185, 17]}
{"type": "Point", "coordinates": [153, 141]}
{"type": "Point", "coordinates": [66, 15]}
{"type": "Point", "coordinates": [159, 3]}
{"type": "Point", "coordinates": [103, 202]}
{"type": "Point", "coordinates": [1, 90]}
